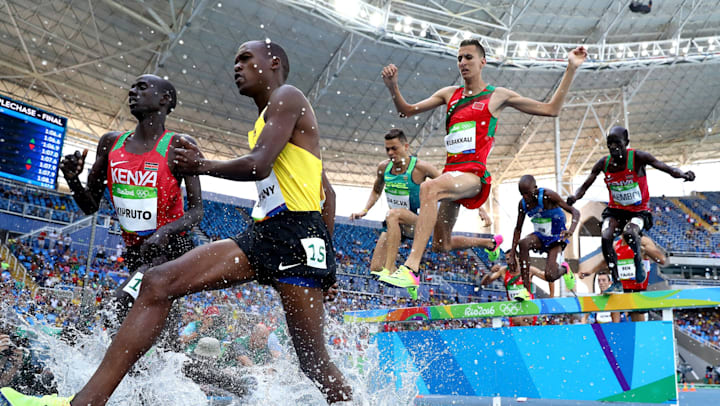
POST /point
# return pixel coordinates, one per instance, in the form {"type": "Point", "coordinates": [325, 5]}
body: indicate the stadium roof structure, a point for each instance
{"type": "Point", "coordinates": [657, 72]}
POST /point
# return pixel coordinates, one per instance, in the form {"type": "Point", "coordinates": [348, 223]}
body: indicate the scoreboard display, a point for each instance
{"type": "Point", "coordinates": [31, 143]}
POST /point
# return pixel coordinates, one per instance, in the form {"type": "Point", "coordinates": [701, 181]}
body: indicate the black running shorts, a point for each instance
{"type": "Point", "coordinates": [177, 246]}
{"type": "Point", "coordinates": [288, 247]}
{"type": "Point", "coordinates": [624, 216]}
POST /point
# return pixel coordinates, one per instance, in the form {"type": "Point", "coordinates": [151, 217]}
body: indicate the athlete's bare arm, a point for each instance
{"type": "Point", "coordinates": [375, 192]}
{"type": "Point", "coordinates": [507, 98]}
{"type": "Point", "coordinates": [405, 109]}
{"type": "Point", "coordinates": [596, 169]}
{"type": "Point", "coordinates": [426, 171]}
{"type": "Point", "coordinates": [497, 273]}
{"type": "Point", "coordinates": [328, 209]}
{"type": "Point", "coordinates": [555, 198]}
{"type": "Point", "coordinates": [88, 199]}
{"type": "Point", "coordinates": [645, 158]}
{"type": "Point", "coordinates": [512, 264]}
{"type": "Point", "coordinates": [652, 251]}
{"type": "Point", "coordinates": [285, 109]}
{"type": "Point", "coordinates": [487, 221]}
{"type": "Point", "coordinates": [194, 213]}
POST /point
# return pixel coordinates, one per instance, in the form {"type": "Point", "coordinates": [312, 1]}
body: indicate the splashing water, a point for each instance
{"type": "Point", "coordinates": [157, 378]}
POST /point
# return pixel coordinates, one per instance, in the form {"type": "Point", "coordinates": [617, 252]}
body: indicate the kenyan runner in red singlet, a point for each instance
{"type": "Point", "coordinates": [514, 287]}
{"type": "Point", "coordinates": [473, 110]}
{"type": "Point", "coordinates": [627, 212]}
{"type": "Point", "coordinates": [138, 169]}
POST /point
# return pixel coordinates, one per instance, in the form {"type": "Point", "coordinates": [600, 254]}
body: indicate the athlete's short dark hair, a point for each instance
{"type": "Point", "coordinates": [473, 41]}
{"type": "Point", "coordinates": [276, 51]}
{"type": "Point", "coordinates": [396, 133]}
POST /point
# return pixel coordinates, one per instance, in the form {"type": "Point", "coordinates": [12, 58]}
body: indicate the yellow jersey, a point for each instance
{"type": "Point", "coordinates": [294, 184]}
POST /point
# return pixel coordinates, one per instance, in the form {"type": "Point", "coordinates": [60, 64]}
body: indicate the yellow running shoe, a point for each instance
{"type": "Point", "coordinates": [404, 277]}
{"type": "Point", "coordinates": [523, 295]}
{"type": "Point", "coordinates": [11, 397]}
{"type": "Point", "coordinates": [383, 272]}
{"type": "Point", "coordinates": [413, 291]}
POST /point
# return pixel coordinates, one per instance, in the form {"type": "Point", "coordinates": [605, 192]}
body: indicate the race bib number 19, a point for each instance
{"type": "Point", "coordinates": [315, 252]}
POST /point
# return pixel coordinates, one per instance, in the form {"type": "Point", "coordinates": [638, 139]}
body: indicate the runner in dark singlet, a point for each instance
{"type": "Point", "coordinates": [546, 210]}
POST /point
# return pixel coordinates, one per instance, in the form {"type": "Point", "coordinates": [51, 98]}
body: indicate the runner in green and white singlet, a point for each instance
{"type": "Point", "coordinates": [400, 176]}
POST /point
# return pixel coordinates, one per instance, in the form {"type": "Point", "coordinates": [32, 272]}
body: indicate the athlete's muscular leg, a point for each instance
{"type": "Point", "coordinates": [553, 271]}
{"type": "Point", "coordinates": [631, 235]}
{"type": "Point", "coordinates": [378, 257]}
{"type": "Point", "coordinates": [610, 224]}
{"type": "Point", "coordinates": [395, 218]}
{"type": "Point", "coordinates": [444, 241]}
{"type": "Point", "coordinates": [447, 187]}
{"type": "Point", "coordinates": [213, 266]}
{"type": "Point", "coordinates": [304, 314]}
{"type": "Point", "coordinates": [526, 244]}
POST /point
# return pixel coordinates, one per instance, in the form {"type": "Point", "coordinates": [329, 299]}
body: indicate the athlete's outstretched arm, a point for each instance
{"type": "Point", "coordinates": [497, 273]}
{"type": "Point", "coordinates": [645, 158]}
{"type": "Point", "coordinates": [405, 109]}
{"type": "Point", "coordinates": [375, 192]}
{"type": "Point", "coordinates": [283, 112]}
{"type": "Point", "coordinates": [596, 169]}
{"type": "Point", "coordinates": [512, 264]}
{"type": "Point", "coordinates": [88, 199]}
{"type": "Point", "coordinates": [328, 209]}
{"type": "Point", "coordinates": [555, 197]}
{"type": "Point", "coordinates": [509, 98]}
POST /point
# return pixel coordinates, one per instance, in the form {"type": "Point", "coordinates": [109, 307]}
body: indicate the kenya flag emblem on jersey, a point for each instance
{"type": "Point", "coordinates": [151, 166]}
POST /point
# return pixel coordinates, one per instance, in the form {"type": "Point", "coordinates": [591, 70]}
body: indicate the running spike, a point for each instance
{"type": "Point", "coordinates": [404, 277]}
{"type": "Point", "coordinates": [494, 254]}
{"type": "Point", "coordinates": [523, 295]}
{"type": "Point", "coordinates": [382, 272]}
{"type": "Point", "coordinates": [569, 277]}
{"type": "Point", "coordinates": [614, 289]}
{"type": "Point", "coordinates": [11, 397]}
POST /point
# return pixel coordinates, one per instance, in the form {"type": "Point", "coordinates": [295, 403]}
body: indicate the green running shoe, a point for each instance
{"type": "Point", "coordinates": [569, 277]}
{"type": "Point", "coordinates": [383, 272]}
{"type": "Point", "coordinates": [404, 277]}
{"type": "Point", "coordinates": [523, 295]}
{"type": "Point", "coordinates": [11, 397]}
{"type": "Point", "coordinates": [494, 254]}
{"type": "Point", "coordinates": [413, 291]}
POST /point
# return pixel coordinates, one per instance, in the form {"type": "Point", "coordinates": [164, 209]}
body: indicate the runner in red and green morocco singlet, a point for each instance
{"type": "Point", "coordinates": [514, 287]}
{"type": "Point", "coordinates": [473, 109]}
{"type": "Point", "coordinates": [138, 169]}
{"type": "Point", "coordinates": [627, 212]}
